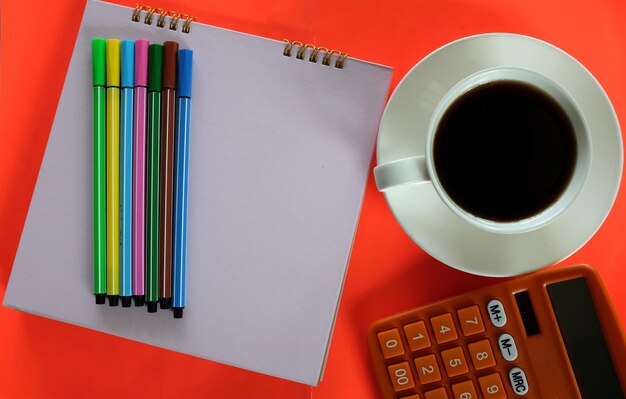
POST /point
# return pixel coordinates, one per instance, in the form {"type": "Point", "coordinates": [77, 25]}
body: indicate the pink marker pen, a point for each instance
{"type": "Point", "coordinates": [139, 170]}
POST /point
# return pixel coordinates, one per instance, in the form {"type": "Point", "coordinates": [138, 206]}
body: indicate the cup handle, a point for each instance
{"type": "Point", "coordinates": [401, 172]}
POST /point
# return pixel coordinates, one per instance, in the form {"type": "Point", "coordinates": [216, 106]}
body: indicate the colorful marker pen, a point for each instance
{"type": "Point", "coordinates": [155, 65]}
{"type": "Point", "coordinates": [139, 170]}
{"type": "Point", "coordinates": [183, 109]}
{"type": "Point", "coordinates": [98, 47]}
{"type": "Point", "coordinates": [126, 169]}
{"type": "Point", "coordinates": [113, 171]}
{"type": "Point", "coordinates": [168, 113]}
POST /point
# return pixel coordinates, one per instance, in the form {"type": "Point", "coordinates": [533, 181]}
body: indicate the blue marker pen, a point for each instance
{"type": "Point", "coordinates": [126, 170]}
{"type": "Point", "coordinates": [181, 179]}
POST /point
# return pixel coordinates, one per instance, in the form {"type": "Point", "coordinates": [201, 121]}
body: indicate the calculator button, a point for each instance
{"type": "Point", "coordinates": [496, 312]}
{"type": "Point", "coordinates": [470, 320]}
{"type": "Point", "coordinates": [454, 361]}
{"type": "Point", "coordinates": [464, 390]}
{"type": "Point", "coordinates": [491, 386]}
{"type": "Point", "coordinates": [518, 380]}
{"type": "Point", "coordinates": [401, 377]}
{"type": "Point", "coordinates": [390, 343]}
{"type": "Point", "coordinates": [481, 354]}
{"type": "Point", "coordinates": [444, 329]}
{"type": "Point", "coordinates": [439, 393]}
{"type": "Point", "coordinates": [507, 346]}
{"type": "Point", "coordinates": [417, 336]}
{"type": "Point", "coordinates": [416, 396]}
{"type": "Point", "coordinates": [427, 369]}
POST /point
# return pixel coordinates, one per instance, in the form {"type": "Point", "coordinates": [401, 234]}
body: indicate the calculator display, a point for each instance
{"type": "Point", "coordinates": [529, 318]}
{"type": "Point", "coordinates": [582, 334]}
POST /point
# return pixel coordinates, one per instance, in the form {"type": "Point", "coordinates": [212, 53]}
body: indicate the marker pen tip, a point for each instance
{"type": "Point", "coordinates": [113, 300]}
{"type": "Point", "coordinates": [152, 306]}
{"type": "Point", "coordinates": [165, 303]}
{"type": "Point", "coordinates": [126, 301]}
{"type": "Point", "coordinates": [100, 299]}
{"type": "Point", "coordinates": [140, 300]}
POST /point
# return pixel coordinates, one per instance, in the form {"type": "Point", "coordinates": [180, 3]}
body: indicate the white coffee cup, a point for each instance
{"type": "Point", "coordinates": [420, 169]}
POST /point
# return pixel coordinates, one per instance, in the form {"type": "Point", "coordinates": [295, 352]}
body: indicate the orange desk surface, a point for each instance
{"type": "Point", "coordinates": [40, 358]}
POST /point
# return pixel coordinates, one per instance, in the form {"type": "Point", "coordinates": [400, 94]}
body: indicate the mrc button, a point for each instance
{"type": "Point", "coordinates": [518, 380]}
{"type": "Point", "coordinates": [495, 309]}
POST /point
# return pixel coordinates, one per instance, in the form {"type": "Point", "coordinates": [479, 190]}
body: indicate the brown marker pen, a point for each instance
{"type": "Point", "coordinates": [168, 113]}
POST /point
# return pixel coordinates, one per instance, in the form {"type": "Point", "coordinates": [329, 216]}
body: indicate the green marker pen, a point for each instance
{"type": "Point", "coordinates": [98, 48]}
{"type": "Point", "coordinates": [155, 69]}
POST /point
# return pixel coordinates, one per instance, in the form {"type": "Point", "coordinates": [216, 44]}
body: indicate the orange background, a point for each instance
{"type": "Point", "coordinates": [40, 358]}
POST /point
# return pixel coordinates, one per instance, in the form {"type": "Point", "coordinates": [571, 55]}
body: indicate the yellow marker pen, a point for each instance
{"type": "Point", "coordinates": [113, 170]}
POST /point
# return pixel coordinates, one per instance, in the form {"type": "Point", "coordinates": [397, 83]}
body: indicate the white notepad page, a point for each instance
{"type": "Point", "coordinates": [279, 158]}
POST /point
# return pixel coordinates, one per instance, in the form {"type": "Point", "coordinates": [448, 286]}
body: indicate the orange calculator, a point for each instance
{"type": "Point", "coordinates": [547, 335]}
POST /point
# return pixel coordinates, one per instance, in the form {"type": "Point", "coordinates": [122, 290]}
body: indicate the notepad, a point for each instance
{"type": "Point", "coordinates": [280, 149]}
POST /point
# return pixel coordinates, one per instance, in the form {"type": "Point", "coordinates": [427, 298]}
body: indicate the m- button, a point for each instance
{"type": "Point", "coordinates": [507, 346]}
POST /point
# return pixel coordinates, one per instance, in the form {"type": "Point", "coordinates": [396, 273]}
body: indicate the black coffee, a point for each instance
{"type": "Point", "coordinates": [504, 151]}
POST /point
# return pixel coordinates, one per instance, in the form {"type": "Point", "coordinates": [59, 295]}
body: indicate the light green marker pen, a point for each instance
{"type": "Point", "coordinates": [98, 47]}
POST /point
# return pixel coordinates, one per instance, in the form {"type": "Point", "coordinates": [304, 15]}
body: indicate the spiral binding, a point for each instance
{"type": "Point", "coordinates": [162, 15]}
{"type": "Point", "coordinates": [301, 50]}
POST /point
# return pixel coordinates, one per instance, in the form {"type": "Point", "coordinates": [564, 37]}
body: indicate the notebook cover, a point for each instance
{"type": "Point", "coordinates": [280, 155]}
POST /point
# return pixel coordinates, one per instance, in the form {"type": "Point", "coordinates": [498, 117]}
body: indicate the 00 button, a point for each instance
{"type": "Point", "coordinates": [401, 377]}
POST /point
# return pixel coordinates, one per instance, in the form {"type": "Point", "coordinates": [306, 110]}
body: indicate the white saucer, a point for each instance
{"type": "Point", "coordinates": [438, 230]}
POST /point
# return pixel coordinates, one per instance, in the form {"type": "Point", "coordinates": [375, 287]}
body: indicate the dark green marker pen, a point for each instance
{"type": "Point", "coordinates": [155, 69]}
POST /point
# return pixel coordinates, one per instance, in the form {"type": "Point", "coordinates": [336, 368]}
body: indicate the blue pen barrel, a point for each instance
{"type": "Point", "coordinates": [181, 180]}
{"type": "Point", "coordinates": [126, 191]}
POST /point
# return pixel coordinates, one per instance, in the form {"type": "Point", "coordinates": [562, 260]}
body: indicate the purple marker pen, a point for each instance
{"type": "Point", "coordinates": [139, 170]}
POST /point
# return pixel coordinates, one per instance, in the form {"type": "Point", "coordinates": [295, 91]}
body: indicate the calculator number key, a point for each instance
{"type": "Point", "coordinates": [427, 369]}
{"type": "Point", "coordinates": [518, 381]}
{"type": "Point", "coordinates": [401, 377]}
{"type": "Point", "coordinates": [491, 386]}
{"type": "Point", "coordinates": [417, 336]}
{"type": "Point", "coordinates": [470, 320]}
{"type": "Point", "coordinates": [454, 361]}
{"type": "Point", "coordinates": [439, 393]}
{"type": "Point", "coordinates": [390, 343]}
{"type": "Point", "coordinates": [481, 354]}
{"type": "Point", "coordinates": [444, 329]}
{"type": "Point", "coordinates": [464, 390]}
{"type": "Point", "coordinates": [496, 312]}
{"type": "Point", "coordinates": [507, 346]}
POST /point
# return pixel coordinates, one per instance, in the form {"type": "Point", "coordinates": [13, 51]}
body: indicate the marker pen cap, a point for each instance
{"type": "Point", "coordinates": [99, 52]}
{"type": "Point", "coordinates": [170, 55]}
{"type": "Point", "coordinates": [113, 62]}
{"type": "Point", "coordinates": [185, 58]}
{"type": "Point", "coordinates": [141, 62]}
{"type": "Point", "coordinates": [128, 63]}
{"type": "Point", "coordinates": [155, 67]}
